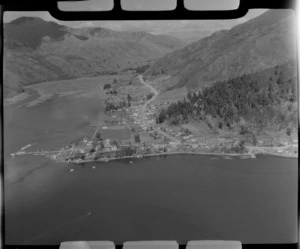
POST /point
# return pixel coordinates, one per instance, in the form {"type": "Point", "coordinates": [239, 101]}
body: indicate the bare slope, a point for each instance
{"type": "Point", "coordinates": [37, 51]}
{"type": "Point", "coordinates": [263, 42]}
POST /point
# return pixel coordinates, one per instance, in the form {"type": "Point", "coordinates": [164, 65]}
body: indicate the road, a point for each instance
{"type": "Point", "coordinates": [272, 150]}
{"type": "Point", "coordinates": [150, 100]}
{"type": "Point", "coordinates": [145, 106]}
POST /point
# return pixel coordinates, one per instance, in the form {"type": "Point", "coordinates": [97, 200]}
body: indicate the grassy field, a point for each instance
{"type": "Point", "coordinates": [138, 89]}
{"type": "Point", "coordinates": [198, 128]}
{"type": "Point", "coordinates": [119, 134]}
{"type": "Point", "coordinates": [172, 96]}
{"type": "Point", "coordinates": [81, 86]}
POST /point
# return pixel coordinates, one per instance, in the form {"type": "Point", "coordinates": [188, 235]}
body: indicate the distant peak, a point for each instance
{"type": "Point", "coordinates": [25, 19]}
{"type": "Point", "coordinates": [36, 28]}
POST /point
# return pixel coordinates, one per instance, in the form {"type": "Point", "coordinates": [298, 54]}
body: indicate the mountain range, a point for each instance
{"type": "Point", "coordinates": [36, 51]}
{"type": "Point", "coordinates": [260, 43]}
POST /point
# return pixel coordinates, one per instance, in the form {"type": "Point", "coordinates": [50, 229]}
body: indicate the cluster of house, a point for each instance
{"type": "Point", "coordinates": [149, 118]}
{"type": "Point", "coordinates": [86, 150]}
{"type": "Point", "coordinates": [151, 109]}
{"type": "Point", "coordinates": [266, 141]}
{"type": "Point", "coordinates": [163, 104]}
{"type": "Point", "coordinates": [108, 146]}
{"type": "Point", "coordinates": [159, 147]}
{"type": "Point", "coordinates": [105, 146]}
{"type": "Point", "coordinates": [113, 120]}
{"type": "Point", "coordinates": [136, 113]}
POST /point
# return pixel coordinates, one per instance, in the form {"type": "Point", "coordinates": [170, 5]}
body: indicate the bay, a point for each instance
{"type": "Point", "coordinates": [179, 197]}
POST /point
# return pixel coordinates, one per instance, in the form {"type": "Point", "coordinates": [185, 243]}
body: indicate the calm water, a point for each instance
{"type": "Point", "coordinates": [171, 198]}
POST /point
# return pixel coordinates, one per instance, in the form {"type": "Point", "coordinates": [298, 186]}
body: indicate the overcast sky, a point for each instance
{"type": "Point", "coordinates": [154, 27]}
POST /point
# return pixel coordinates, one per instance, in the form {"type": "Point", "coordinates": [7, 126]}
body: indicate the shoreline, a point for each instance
{"type": "Point", "coordinates": [277, 155]}
{"type": "Point", "coordinates": [240, 156]}
{"type": "Point", "coordinates": [157, 154]}
{"type": "Point", "coordinates": [22, 99]}
{"type": "Point", "coordinates": [15, 99]}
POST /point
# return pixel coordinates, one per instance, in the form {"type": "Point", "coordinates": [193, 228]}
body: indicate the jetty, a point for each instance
{"type": "Point", "coordinates": [35, 153]}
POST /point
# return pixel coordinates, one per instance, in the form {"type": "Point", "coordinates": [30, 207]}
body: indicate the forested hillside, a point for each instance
{"type": "Point", "coordinates": [265, 99]}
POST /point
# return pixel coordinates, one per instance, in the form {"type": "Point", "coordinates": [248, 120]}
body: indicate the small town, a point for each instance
{"type": "Point", "coordinates": [167, 127]}
{"type": "Point", "coordinates": [149, 138]}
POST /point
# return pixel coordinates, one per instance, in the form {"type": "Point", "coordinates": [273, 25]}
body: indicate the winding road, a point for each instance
{"type": "Point", "coordinates": [145, 106]}
{"type": "Point", "coordinates": [150, 100]}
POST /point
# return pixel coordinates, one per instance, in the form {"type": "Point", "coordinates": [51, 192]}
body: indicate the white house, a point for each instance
{"type": "Point", "coordinates": [114, 148]}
